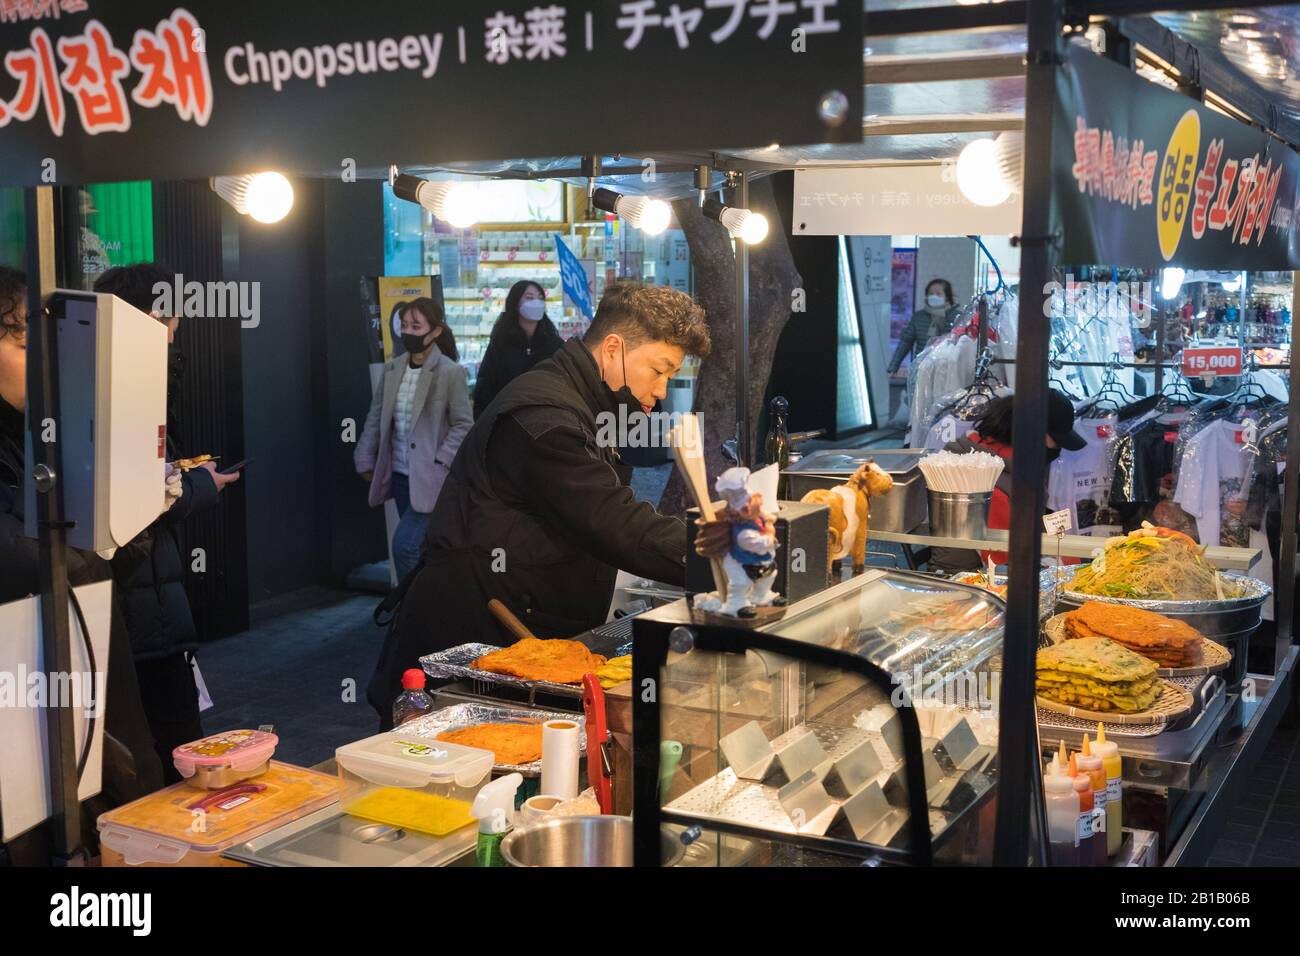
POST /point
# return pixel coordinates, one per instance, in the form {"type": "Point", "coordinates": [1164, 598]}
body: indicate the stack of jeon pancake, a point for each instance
{"type": "Point", "coordinates": [1095, 673]}
{"type": "Point", "coordinates": [1168, 642]}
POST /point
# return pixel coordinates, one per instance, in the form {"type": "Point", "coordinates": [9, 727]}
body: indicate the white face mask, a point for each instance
{"type": "Point", "coordinates": [935, 301]}
{"type": "Point", "coordinates": [532, 309]}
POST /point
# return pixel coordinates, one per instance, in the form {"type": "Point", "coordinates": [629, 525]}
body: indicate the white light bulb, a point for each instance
{"type": "Point", "coordinates": [1171, 281]}
{"type": "Point", "coordinates": [746, 225]}
{"type": "Point", "coordinates": [651, 216]}
{"type": "Point", "coordinates": [266, 197]}
{"type": "Point", "coordinates": [978, 174]}
{"type": "Point", "coordinates": [453, 203]}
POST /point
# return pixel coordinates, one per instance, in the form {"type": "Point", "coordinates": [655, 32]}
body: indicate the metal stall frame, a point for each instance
{"type": "Point", "coordinates": [1047, 23]}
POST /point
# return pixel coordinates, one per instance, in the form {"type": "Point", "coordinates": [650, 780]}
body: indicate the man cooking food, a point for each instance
{"type": "Point", "coordinates": [536, 510]}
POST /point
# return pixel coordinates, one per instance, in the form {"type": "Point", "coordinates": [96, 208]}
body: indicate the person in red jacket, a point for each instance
{"type": "Point", "coordinates": [993, 435]}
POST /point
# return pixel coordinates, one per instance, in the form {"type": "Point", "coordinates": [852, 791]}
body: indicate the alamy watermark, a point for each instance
{"type": "Point", "coordinates": [637, 428]}
{"type": "Point", "coordinates": [209, 300]}
{"type": "Point", "coordinates": [38, 690]}
{"type": "Point", "coordinates": [1108, 300]}
{"type": "Point", "coordinates": [967, 690]}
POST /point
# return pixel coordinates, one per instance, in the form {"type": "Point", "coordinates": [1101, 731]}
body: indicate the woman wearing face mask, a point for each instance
{"type": "Point", "coordinates": [934, 319]}
{"type": "Point", "coordinates": [418, 417]}
{"type": "Point", "coordinates": [993, 435]}
{"type": "Point", "coordinates": [522, 337]}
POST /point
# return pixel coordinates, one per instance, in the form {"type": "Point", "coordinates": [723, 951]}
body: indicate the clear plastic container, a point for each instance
{"type": "Point", "coordinates": [225, 759]}
{"type": "Point", "coordinates": [412, 783]}
{"type": "Point", "coordinates": [180, 826]}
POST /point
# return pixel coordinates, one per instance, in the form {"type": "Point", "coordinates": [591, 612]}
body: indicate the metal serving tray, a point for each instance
{"type": "Point", "coordinates": [467, 714]}
{"type": "Point", "coordinates": [902, 510]}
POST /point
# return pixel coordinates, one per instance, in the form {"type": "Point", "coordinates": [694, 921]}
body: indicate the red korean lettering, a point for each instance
{"type": "Point", "coordinates": [1245, 182]}
{"type": "Point", "coordinates": [1219, 211]}
{"type": "Point", "coordinates": [1080, 167]}
{"type": "Point", "coordinates": [173, 71]}
{"type": "Point", "coordinates": [1145, 195]}
{"type": "Point", "coordinates": [1206, 179]}
{"type": "Point", "coordinates": [1108, 164]}
{"type": "Point", "coordinates": [38, 81]}
{"type": "Point", "coordinates": [93, 76]}
{"type": "Point", "coordinates": [1134, 173]}
{"type": "Point", "coordinates": [1266, 205]}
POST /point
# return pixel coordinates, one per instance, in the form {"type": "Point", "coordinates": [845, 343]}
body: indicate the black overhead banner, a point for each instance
{"type": "Point", "coordinates": [101, 90]}
{"type": "Point", "coordinates": [1146, 177]}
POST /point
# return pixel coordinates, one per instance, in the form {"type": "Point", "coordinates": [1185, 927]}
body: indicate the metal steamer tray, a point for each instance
{"type": "Point", "coordinates": [613, 639]}
{"type": "Point", "coordinates": [465, 715]}
{"type": "Point", "coordinates": [1229, 622]}
{"type": "Point", "coordinates": [1155, 755]}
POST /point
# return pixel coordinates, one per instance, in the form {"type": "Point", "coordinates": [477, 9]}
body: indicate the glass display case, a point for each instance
{"type": "Point", "coordinates": [860, 726]}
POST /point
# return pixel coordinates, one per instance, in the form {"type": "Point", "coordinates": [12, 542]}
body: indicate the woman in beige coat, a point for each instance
{"type": "Point", "coordinates": [418, 417]}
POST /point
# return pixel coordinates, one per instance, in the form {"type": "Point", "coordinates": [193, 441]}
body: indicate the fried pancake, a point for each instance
{"type": "Point", "coordinates": [557, 661]}
{"type": "Point", "coordinates": [1133, 627]}
{"type": "Point", "coordinates": [1098, 658]}
{"type": "Point", "coordinates": [1126, 705]}
{"type": "Point", "coordinates": [510, 743]}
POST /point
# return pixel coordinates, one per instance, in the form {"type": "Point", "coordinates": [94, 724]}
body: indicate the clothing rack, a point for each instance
{"type": "Point", "coordinates": [1062, 363]}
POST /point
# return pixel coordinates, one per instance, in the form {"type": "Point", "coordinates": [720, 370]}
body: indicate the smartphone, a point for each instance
{"type": "Point", "coordinates": [235, 467]}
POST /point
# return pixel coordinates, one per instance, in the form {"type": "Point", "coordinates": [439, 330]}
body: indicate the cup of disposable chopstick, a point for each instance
{"type": "Point", "coordinates": [959, 489]}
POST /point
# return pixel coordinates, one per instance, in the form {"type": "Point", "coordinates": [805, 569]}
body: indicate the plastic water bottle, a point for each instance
{"type": "Point", "coordinates": [413, 701]}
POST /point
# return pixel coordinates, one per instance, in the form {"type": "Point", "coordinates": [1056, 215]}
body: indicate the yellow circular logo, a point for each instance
{"type": "Point", "coordinates": [1177, 173]}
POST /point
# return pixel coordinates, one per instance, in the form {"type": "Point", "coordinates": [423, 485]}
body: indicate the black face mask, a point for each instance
{"type": "Point", "coordinates": [1053, 454]}
{"type": "Point", "coordinates": [414, 344]}
{"type": "Point", "coordinates": [623, 396]}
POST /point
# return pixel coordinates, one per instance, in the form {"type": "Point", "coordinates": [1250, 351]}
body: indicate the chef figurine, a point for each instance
{"type": "Point", "coordinates": [749, 561]}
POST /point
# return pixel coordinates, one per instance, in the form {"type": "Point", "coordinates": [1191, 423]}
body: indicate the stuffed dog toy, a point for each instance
{"type": "Point", "coordinates": [850, 509]}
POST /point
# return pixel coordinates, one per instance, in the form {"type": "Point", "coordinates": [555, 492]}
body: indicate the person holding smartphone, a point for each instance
{"type": "Point", "coordinates": [149, 572]}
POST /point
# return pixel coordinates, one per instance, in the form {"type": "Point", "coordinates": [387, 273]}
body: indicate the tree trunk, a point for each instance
{"type": "Point", "coordinates": [772, 279]}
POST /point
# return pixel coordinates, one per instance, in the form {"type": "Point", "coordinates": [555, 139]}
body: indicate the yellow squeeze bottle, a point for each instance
{"type": "Point", "coordinates": [1112, 763]}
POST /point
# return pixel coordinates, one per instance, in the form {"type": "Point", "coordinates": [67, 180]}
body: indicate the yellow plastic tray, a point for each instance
{"type": "Point", "coordinates": [412, 810]}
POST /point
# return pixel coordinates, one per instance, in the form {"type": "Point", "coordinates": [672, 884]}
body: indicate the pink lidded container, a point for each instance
{"type": "Point", "coordinates": [225, 759]}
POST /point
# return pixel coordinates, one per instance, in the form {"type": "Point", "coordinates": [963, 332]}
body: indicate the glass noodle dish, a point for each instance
{"type": "Point", "coordinates": [1154, 564]}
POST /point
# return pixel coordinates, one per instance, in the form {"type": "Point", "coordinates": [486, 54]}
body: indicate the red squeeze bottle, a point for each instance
{"type": "Point", "coordinates": [413, 701]}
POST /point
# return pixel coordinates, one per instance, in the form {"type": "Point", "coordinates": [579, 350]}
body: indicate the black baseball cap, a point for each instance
{"type": "Point", "coordinates": [1060, 422]}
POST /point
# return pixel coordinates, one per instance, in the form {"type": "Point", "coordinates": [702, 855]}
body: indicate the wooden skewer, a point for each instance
{"type": "Point", "coordinates": [689, 456]}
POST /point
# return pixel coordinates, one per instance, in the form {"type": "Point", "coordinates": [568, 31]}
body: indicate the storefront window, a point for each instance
{"type": "Point", "coordinates": [515, 240]}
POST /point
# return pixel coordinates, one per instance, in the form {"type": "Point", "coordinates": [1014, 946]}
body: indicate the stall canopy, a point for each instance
{"type": "Point", "coordinates": [92, 91]}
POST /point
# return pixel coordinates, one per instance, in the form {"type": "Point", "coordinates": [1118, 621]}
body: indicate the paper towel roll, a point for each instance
{"type": "Point", "coordinates": [560, 758]}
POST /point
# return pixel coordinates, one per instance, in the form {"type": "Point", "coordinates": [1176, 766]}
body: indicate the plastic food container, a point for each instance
{"type": "Point", "coordinates": [223, 760]}
{"type": "Point", "coordinates": [412, 783]}
{"type": "Point", "coordinates": [179, 826]}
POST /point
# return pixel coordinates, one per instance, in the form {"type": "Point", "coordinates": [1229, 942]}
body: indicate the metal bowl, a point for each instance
{"type": "Point", "coordinates": [580, 841]}
{"type": "Point", "coordinates": [1229, 622]}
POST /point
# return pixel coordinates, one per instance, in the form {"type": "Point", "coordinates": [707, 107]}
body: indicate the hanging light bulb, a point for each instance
{"type": "Point", "coordinates": [989, 170]}
{"type": "Point", "coordinates": [1171, 282]}
{"type": "Point", "coordinates": [744, 224]}
{"type": "Point", "coordinates": [1235, 283]}
{"type": "Point", "coordinates": [651, 216]}
{"type": "Point", "coordinates": [455, 203]}
{"type": "Point", "coordinates": [266, 197]}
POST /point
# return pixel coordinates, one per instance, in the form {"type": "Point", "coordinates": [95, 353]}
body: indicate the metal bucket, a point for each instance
{"type": "Point", "coordinates": [1229, 623]}
{"type": "Point", "coordinates": [580, 841]}
{"type": "Point", "coordinates": [959, 515]}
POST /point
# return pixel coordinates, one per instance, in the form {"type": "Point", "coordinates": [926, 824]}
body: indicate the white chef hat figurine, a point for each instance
{"type": "Point", "coordinates": [750, 562]}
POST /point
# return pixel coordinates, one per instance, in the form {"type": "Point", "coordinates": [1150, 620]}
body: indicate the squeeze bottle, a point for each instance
{"type": "Point", "coordinates": [1090, 766]}
{"type": "Point", "coordinates": [494, 808]}
{"type": "Point", "coordinates": [1113, 765]}
{"type": "Point", "coordinates": [1062, 815]}
{"type": "Point", "coordinates": [1083, 790]}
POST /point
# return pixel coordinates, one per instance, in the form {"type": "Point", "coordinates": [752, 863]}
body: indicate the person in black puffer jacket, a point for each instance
{"type": "Point", "coordinates": [521, 337]}
{"type": "Point", "coordinates": [131, 768]}
{"type": "Point", "coordinates": [150, 571]}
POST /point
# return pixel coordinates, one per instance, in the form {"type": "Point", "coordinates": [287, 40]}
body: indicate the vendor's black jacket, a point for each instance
{"type": "Point", "coordinates": [149, 574]}
{"type": "Point", "coordinates": [509, 354]}
{"type": "Point", "coordinates": [535, 513]}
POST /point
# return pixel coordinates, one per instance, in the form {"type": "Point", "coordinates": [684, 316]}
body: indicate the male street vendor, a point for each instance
{"type": "Point", "coordinates": [536, 510]}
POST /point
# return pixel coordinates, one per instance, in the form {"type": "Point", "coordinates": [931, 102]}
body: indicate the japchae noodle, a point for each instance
{"type": "Point", "coordinates": [1153, 564]}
